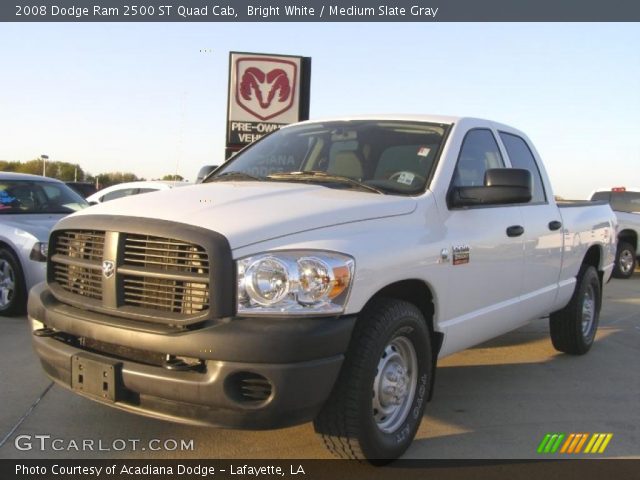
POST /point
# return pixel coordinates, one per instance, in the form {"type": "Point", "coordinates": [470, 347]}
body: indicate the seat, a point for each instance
{"type": "Point", "coordinates": [24, 198]}
{"type": "Point", "coordinates": [346, 164]}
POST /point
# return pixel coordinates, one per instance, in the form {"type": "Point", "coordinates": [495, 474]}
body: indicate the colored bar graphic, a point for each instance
{"type": "Point", "coordinates": [544, 442]}
{"type": "Point", "coordinates": [574, 443]}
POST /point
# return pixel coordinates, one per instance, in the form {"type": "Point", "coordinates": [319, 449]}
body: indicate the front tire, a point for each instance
{"type": "Point", "coordinates": [625, 260]}
{"type": "Point", "coordinates": [376, 406]}
{"type": "Point", "coordinates": [13, 293]}
{"type": "Point", "coordinates": [573, 329]}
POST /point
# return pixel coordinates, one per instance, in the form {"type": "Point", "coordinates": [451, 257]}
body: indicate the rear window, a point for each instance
{"type": "Point", "coordinates": [620, 201]}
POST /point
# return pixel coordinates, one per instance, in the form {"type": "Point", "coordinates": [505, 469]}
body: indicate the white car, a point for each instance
{"type": "Point", "coordinates": [29, 207]}
{"type": "Point", "coordinates": [625, 202]}
{"type": "Point", "coordinates": [132, 188]}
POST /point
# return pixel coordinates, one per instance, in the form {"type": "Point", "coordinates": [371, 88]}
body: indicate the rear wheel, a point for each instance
{"type": "Point", "coordinates": [625, 260]}
{"type": "Point", "coordinates": [573, 329]}
{"type": "Point", "coordinates": [12, 288]}
{"type": "Point", "coordinates": [377, 403]}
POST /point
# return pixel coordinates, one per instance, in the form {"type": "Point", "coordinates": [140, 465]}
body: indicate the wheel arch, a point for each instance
{"type": "Point", "coordinates": [420, 294]}
{"type": "Point", "coordinates": [630, 236]}
{"type": "Point", "coordinates": [12, 248]}
{"type": "Point", "coordinates": [593, 257]}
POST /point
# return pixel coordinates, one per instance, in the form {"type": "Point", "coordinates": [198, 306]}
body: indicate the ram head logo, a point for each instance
{"type": "Point", "coordinates": [265, 87]}
{"type": "Point", "coordinates": [108, 268]}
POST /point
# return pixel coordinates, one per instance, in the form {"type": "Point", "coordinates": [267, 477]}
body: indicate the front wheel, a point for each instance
{"type": "Point", "coordinates": [625, 260]}
{"type": "Point", "coordinates": [573, 329]}
{"type": "Point", "coordinates": [377, 403]}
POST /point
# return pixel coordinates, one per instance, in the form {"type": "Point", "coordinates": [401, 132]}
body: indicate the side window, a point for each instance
{"type": "Point", "coordinates": [479, 153]}
{"type": "Point", "coordinates": [125, 192]}
{"type": "Point", "coordinates": [521, 157]}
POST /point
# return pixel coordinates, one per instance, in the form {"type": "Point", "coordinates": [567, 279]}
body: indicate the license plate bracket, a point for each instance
{"type": "Point", "coordinates": [96, 376]}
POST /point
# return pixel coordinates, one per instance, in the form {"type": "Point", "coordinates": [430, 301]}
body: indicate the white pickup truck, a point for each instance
{"type": "Point", "coordinates": [319, 275]}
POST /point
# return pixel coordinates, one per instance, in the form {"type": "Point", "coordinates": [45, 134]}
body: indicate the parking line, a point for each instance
{"type": "Point", "coordinates": [24, 417]}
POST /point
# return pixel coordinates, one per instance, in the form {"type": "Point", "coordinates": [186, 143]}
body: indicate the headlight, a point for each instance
{"type": "Point", "coordinates": [39, 252]}
{"type": "Point", "coordinates": [294, 283]}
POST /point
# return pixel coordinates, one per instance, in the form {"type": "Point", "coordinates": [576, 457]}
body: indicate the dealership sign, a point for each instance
{"type": "Point", "coordinates": [265, 93]}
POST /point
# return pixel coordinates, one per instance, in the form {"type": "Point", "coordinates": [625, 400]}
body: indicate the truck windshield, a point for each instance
{"type": "Point", "coordinates": [28, 196]}
{"type": "Point", "coordinates": [394, 157]}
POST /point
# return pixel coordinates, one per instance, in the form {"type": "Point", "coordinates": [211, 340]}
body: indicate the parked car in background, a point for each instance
{"type": "Point", "coordinates": [625, 202]}
{"type": "Point", "coordinates": [132, 188]}
{"type": "Point", "coordinates": [204, 171]}
{"type": "Point", "coordinates": [29, 207]}
{"type": "Point", "coordinates": [85, 189]}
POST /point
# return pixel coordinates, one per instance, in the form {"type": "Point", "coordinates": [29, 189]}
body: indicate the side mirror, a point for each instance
{"type": "Point", "coordinates": [502, 186]}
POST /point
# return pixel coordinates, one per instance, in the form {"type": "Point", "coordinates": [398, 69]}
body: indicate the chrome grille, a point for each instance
{"type": "Point", "coordinates": [165, 254]}
{"type": "Point", "coordinates": [81, 244]}
{"type": "Point", "coordinates": [166, 294]}
{"type": "Point", "coordinates": [79, 280]}
{"type": "Point", "coordinates": [76, 262]}
{"type": "Point", "coordinates": [151, 273]}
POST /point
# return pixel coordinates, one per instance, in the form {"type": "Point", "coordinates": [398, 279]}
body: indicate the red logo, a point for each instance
{"type": "Point", "coordinates": [265, 87]}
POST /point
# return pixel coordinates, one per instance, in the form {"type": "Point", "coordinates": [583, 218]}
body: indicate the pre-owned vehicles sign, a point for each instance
{"type": "Point", "coordinates": [265, 92]}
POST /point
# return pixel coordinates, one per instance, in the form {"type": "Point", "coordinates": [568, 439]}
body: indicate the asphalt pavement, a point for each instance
{"type": "Point", "coordinates": [495, 401]}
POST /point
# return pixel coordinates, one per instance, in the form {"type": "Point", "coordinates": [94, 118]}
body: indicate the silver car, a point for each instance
{"type": "Point", "coordinates": [29, 207]}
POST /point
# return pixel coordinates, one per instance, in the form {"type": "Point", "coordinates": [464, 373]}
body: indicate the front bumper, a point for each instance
{"type": "Point", "coordinates": [300, 359]}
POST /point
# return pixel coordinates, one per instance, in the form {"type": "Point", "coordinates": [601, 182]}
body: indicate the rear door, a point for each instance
{"type": "Point", "coordinates": [543, 232]}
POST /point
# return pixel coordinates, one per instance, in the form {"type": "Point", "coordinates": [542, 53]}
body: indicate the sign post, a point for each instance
{"type": "Point", "coordinates": [265, 93]}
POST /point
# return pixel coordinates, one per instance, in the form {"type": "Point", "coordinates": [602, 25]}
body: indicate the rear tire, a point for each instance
{"type": "Point", "coordinates": [376, 406]}
{"type": "Point", "coordinates": [625, 260]}
{"type": "Point", "coordinates": [13, 292]}
{"type": "Point", "coordinates": [573, 329]}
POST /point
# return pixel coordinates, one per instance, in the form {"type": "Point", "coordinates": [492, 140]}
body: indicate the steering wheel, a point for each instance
{"type": "Point", "coordinates": [407, 174]}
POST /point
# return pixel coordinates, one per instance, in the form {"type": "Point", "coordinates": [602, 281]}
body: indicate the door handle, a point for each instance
{"type": "Point", "coordinates": [555, 225]}
{"type": "Point", "coordinates": [515, 231]}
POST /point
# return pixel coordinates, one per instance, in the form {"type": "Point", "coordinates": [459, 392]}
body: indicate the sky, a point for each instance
{"type": "Point", "coordinates": [150, 98]}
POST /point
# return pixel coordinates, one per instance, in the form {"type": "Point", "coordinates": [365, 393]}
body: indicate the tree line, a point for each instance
{"type": "Point", "coordinates": [70, 172]}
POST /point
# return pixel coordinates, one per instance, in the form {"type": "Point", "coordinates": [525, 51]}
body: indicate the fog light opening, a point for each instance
{"type": "Point", "coordinates": [248, 388]}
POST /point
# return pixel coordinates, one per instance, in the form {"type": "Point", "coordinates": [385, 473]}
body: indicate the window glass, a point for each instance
{"type": "Point", "coordinates": [125, 192]}
{"type": "Point", "coordinates": [396, 157]}
{"type": "Point", "coordinates": [27, 196]}
{"type": "Point", "coordinates": [521, 157]}
{"type": "Point", "coordinates": [479, 153]}
{"type": "Point", "coordinates": [625, 201]}
{"type": "Point", "coordinates": [598, 196]}
{"type": "Point", "coordinates": [414, 158]}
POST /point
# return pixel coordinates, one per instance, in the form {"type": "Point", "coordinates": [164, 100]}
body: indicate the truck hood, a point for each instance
{"type": "Point", "coordinates": [37, 224]}
{"type": "Point", "coordinates": [252, 212]}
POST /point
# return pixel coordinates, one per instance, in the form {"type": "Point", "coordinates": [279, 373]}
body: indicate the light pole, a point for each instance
{"type": "Point", "coordinates": [44, 164]}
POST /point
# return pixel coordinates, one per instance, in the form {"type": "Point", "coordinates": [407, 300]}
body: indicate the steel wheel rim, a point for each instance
{"type": "Point", "coordinates": [626, 261]}
{"type": "Point", "coordinates": [588, 310]}
{"type": "Point", "coordinates": [394, 386]}
{"type": "Point", "coordinates": [7, 283]}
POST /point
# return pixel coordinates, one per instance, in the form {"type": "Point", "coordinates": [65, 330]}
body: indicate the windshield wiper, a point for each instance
{"type": "Point", "coordinates": [306, 175]}
{"type": "Point", "coordinates": [233, 176]}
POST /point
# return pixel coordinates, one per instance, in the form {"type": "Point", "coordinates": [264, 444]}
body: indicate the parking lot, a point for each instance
{"type": "Point", "coordinates": [497, 400]}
